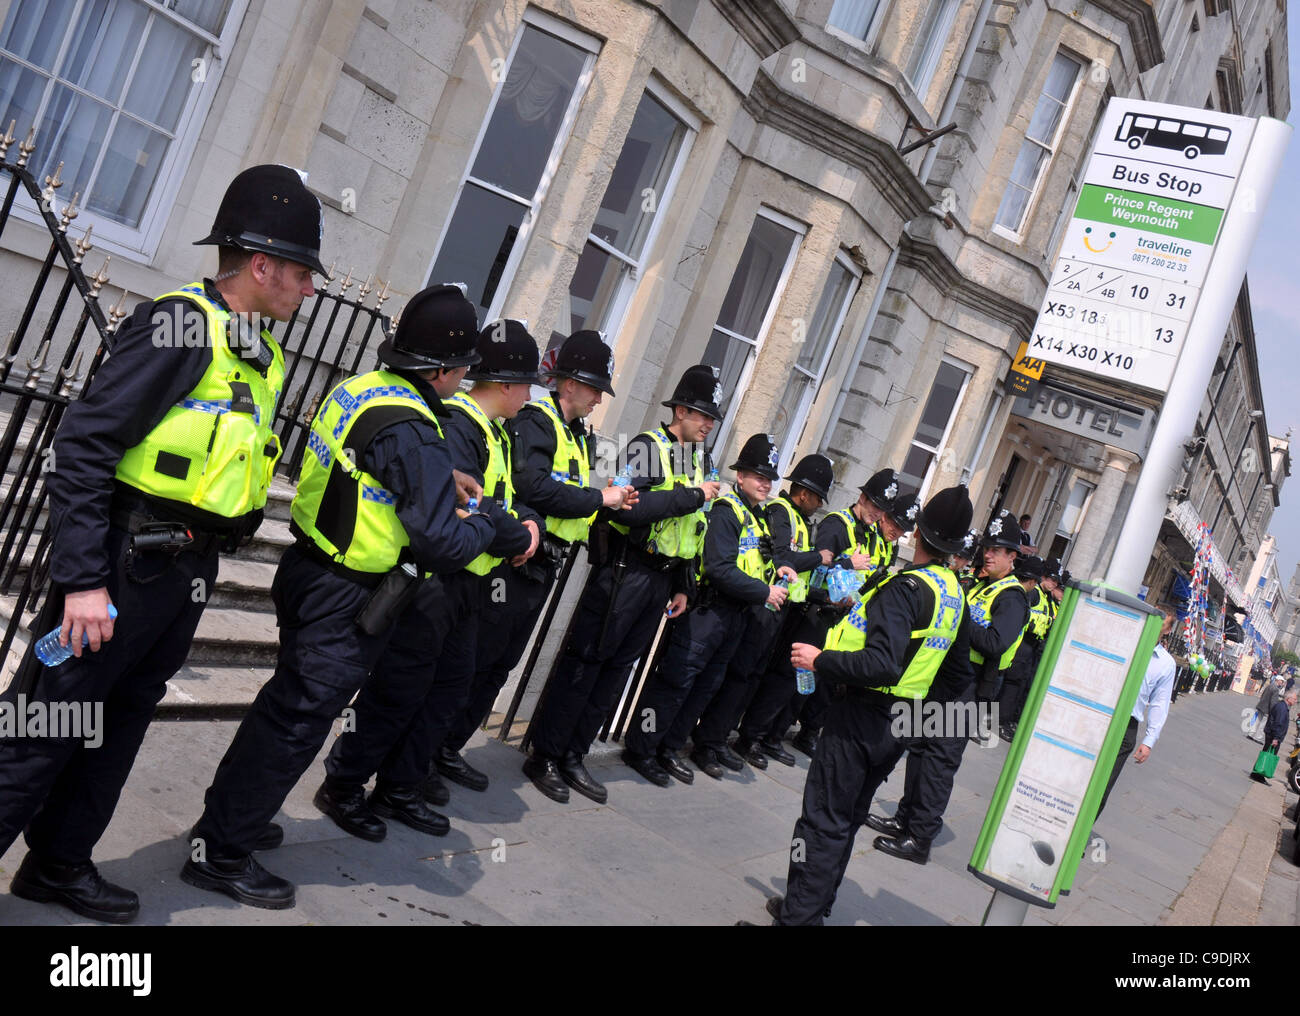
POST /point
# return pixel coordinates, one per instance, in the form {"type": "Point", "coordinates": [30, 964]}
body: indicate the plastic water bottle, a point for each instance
{"type": "Point", "coordinates": [713, 475]}
{"type": "Point", "coordinates": [782, 583]}
{"type": "Point", "coordinates": [805, 681]}
{"type": "Point", "coordinates": [624, 477]}
{"type": "Point", "coordinates": [51, 653]}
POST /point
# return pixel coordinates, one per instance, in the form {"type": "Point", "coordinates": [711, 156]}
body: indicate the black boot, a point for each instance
{"type": "Point", "coordinates": [406, 804]}
{"type": "Point", "coordinates": [774, 749]}
{"type": "Point", "coordinates": [909, 848]}
{"type": "Point", "coordinates": [750, 752]}
{"type": "Point", "coordinates": [546, 777]}
{"type": "Point", "coordinates": [675, 767]}
{"type": "Point", "coordinates": [886, 824]}
{"type": "Point", "coordinates": [79, 887]}
{"type": "Point", "coordinates": [707, 762]}
{"type": "Point", "coordinates": [806, 741]}
{"type": "Point", "coordinates": [456, 769]}
{"type": "Point", "coordinates": [647, 767]}
{"type": "Point", "coordinates": [346, 804]}
{"type": "Point", "coordinates": [242, 879]}
{"type": "Point", "coordinates": [433, 790]}
{"type": "Point", "coordinates": [575, 774]}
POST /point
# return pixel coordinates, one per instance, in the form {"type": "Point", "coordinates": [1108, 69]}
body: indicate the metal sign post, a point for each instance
{"type": "Point", "coordinates": [1142, 294]}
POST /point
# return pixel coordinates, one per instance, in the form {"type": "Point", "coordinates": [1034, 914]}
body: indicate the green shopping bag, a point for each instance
{"type": "Point", "coordinates": [1266, 764]}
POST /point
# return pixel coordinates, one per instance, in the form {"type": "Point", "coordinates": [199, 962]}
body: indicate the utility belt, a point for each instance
{"type": "Point", "coordinates": [653, 562]}
{"type": "Point", "coordinates": [308, 549]}
{"type": "Point", "coordinates": [709, 596]}
{"type": "Point", "coordinates": [149, 532]}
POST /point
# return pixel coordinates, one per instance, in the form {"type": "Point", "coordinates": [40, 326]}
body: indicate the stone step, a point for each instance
{"type": "Point", "coordinates": [199, 691]}
{"type": "Point", "coordinates": [243, 584]}
{"type": "Point", "coordinates": [235, 638]}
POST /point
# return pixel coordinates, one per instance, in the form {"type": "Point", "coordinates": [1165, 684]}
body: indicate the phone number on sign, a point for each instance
{"type": "Point", "coordinates": [1147, 259]}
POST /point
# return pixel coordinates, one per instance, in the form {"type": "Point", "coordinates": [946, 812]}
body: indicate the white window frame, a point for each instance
{"type": "Point", "coordinates": [800, 419]}
{"type": "Point", "coordinates": [756, 344]}
{"type": "Point", "coordinates": [140, 243]}
{"type": "Point", "coordinates": [936, 452]}
{"type": "Point", "coordinates": [873, 29]}
{"type": "Point", "coordinates": [937, 43]}
{"type": "Point", "coordinates": [631, 279]}
{"type": "Point", "coordinates": [1075, 186]}
{"type": "Point", "coordinates": [552, 26]}
{"type": "Point", "coordinates": [1072, 537]}
{"type": "Point", "coordinates": [1067, 110]}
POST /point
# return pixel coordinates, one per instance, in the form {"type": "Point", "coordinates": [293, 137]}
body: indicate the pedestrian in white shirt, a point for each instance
{"type": "Point", "coordinates": [1152, 705]}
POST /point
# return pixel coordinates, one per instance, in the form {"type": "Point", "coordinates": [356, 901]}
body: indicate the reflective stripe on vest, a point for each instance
{"type": "Point", "coordinates": [800, 538]}
{"type": "Point", "coordinates": [215, 448]}
{"type": "Point", "coordinates": [981, 613]}
{"type": "Point", "coordinates": [497, 483]}
{"type": "Point", "coordinates": [877, 548]}
{"type": "Point", "coordinates": [570, 453]}
{"type": "Point", "coordinates": [344, 510]}
{"type": "Point", "coordinates": [679, 535]}
{"type": "Point", "coordinates": [1040, 617]}
{"type": "Point", "coordinates": [749, 558]}
{"type": "Point", "coordinates": [928, 645]}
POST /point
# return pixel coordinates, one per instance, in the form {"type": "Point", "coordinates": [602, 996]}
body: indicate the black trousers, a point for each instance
{"type": "Point", "coordinates": [592, 673]}
{"type": "Point", "coordinates": [932, 764]}
{"type": "Point", "coordinates": [810, 710]}
{"type": "Point", "coordinates": [690, 672]}
{"type": "Point", "coordinates": [1126, 747]}
{"type": "Point", "coordinates": [776, 685]}
{"type": "Point", "coordinates": [743, 676]}
{"type": "Point", "coordinates": [324, 660]}
{"type": "Point", "coordinates": [855, 753]}
{"type": "Point", "coordinates": [60, 790]}
{"type": "Point", "coordinates": [397, 728]}
{"type": "Point", "coordinates": [509, 611]}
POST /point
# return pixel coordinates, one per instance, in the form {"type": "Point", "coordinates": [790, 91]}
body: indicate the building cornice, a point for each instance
{"type": "Point", "coordinates": [938, 269]}
{"type": "Point", "coordinates": [1143, 30]}
{"type": "Point", "coordinates": [769, 104]}
{"type": "Point", "coordinates": [764, 24]}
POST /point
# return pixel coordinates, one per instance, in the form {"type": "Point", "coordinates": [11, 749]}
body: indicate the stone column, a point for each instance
{"type": "Point", "coordinates": [1083, 562]}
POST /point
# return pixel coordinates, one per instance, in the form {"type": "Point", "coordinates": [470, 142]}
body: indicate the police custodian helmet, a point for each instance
{"type": "Point", "coordinates": [814, 472]}
{"type": "Point", "coordinates": [903, 510]}
{"type": "Point", "coordinates": [1003, 531]}
{"type": "Point", "coordinates": [944, 521]}
{"type": "Point", "coordinates": [699, 389]}
{"type": "Point", "coordinates": [881, 489]}
{"type": "Point", "coordinates": [438, 327]}
{"type": "Point", "coordinates": [585, 357]}
{"type": "Point", "coordinates": [508, 353]}
{"type": "Point", "coordinates": [268, 209]}
{"type": "Point", "coordinates": [759, 455]}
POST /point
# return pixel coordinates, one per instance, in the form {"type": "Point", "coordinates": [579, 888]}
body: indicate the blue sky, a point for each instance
{"type": "Point", "coordinates": [1274, 278]}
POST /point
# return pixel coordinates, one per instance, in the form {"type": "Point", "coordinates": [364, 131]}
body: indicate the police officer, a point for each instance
{"type": "Point", "coordinates": [646, 567]}
{"type": "Point", "coordinates": [737, 579]}
{"type": "Point", "coordinates": [890, 650]}
{"type": "Point", "coordinates": [999, 611]}
{"type": "Point", "coordinates": [1054, 578]}
{"type": "Point", "coordinates": [1020, 675]}
{"type": "Point", "coordinates": [552, 461]}
{"type": "Point", "coordinates": [387, 736]}
{"type": "Point", "coordinates": [856, 539]}
{"type": "Point", "coordinates": [376, 506]}
{"type": "Point", "coordinates": [761, 621]}
{"type": "Point", "coordinates": [964, 561]}
{"type": "Point", "coordinates": [789, 520]}
{"type": "Point", "coordinates": [166, 460]}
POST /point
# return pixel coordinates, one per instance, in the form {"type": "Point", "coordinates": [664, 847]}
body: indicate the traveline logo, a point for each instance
{"type": "Point", "coordinates": [75, 969]}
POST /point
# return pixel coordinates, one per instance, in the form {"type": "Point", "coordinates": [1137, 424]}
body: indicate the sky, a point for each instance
{"type": "Point", "coordinates": [1274, 279]}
